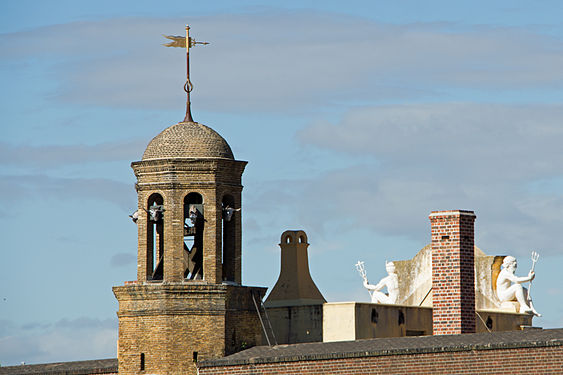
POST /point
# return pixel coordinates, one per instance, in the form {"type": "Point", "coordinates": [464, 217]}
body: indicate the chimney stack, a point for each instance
{"type": "Point", "coordinates": [294, 286]}
{"type": "Point", "coordinates": [453, 272]}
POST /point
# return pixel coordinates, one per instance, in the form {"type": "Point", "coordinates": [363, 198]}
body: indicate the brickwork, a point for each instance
{"type": "Point", "coordinates": [453, 272]}
{"type": "Point", "coordinates": [173, 179]}
{"type": "Point", "coordinates": [188, 140]}
{"type": "Point", "coordinates": [168, 323]}
{"type": "Point", "coordinates": [543, 360]}
{"type": "Point", "coordinates": [518, 352]}
{"type": "Point", "coordinates": [242, 324]}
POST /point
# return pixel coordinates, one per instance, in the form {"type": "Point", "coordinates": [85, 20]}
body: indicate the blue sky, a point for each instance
{"type": "Point", "coordinates": [357, 118]}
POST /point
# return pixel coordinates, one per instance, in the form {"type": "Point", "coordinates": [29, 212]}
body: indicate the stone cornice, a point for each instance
{"type": "Point", "coordinates": [186, 165]}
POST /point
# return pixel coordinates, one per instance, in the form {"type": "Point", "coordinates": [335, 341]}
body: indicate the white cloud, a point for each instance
{"type": "Point", "coordinates": [29, 187]}
{"type": "Point", "coordinates": [509, 221]}
{"type": "Point", "coordinates": [48, 156]}
{"type": "Point", "coordinates": [424, 157]}
{"type": "Point", "coordinates": [256, 62]}
{"type": "Point", "coordinates": [68, 339]}
{"type": "Point", "coordinates": [468, 141]}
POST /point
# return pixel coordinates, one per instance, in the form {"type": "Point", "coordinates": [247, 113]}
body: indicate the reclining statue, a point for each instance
{"type": "Point", "coordinates": [509, 286]}
{"type": "Point", "coordinates": [391, 282]}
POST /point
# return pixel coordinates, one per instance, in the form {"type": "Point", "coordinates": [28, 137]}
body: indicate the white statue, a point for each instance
{"type": "Point", "coordinates": [391, 281]}
{"type": "Point", "coordinates": [509, 286]}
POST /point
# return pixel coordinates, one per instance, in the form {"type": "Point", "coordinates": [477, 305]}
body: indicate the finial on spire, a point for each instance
{"type": "Point", "coordinates": [187, 43]}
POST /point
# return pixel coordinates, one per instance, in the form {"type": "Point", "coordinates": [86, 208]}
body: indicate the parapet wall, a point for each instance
{"type": "Point", "coordinates": [544, 360]}
{"type": "Point", "coordinates": [354, 321]}
{"type": "Point", "coordinates": [521, 352]}
{"type": "Point", "coordinates": [344, 321]}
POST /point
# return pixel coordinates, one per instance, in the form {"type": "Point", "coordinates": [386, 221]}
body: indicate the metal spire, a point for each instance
{"type": "Point", "coordinates": [187, 43]}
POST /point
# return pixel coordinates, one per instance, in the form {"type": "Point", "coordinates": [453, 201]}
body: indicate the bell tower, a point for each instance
{"type": "Point", "coordinates": [187, 303]}
{"type": "Point", "coordinates": [189, 217]}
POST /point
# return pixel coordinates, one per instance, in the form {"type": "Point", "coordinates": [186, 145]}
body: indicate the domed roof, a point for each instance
{"type": "Point", "coordinates": [188, 140]}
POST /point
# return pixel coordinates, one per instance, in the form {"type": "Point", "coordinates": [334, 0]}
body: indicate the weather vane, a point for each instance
{"type": "Point", "coordinates": [187, 43]}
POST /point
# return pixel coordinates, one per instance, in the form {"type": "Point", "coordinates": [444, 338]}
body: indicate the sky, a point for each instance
{"type": "Point", "coordinates": [357, 118]}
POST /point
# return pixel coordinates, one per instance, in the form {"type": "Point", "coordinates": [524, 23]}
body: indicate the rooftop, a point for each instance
{"type": "Point", "coordinates": [392, 346]}
{"type": "Point", "coordinates": [97, 366]}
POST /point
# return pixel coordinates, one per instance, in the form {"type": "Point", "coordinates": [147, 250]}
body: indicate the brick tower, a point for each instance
{"type": "Point", "coordinates": [453, 272]}
{"type": "Point", "coordinates": [187, 303]}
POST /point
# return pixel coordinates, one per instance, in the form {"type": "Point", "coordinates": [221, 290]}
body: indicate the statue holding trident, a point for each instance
{"type": "Point", "coordinates": [187, 43]}
{"type": "Point", "coordinates": [391, 281]}
{"type": "Point", "coordinates": [509, 286]}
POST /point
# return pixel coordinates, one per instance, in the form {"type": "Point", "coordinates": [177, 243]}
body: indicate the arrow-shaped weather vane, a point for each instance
{"type": "Point", "coordinates": [187, 43]}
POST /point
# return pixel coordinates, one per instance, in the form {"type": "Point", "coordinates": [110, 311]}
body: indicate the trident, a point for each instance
{"type": "Point", "coordinates": [362, 270]}
{"type": "Point", "coordinates": [535, 257]}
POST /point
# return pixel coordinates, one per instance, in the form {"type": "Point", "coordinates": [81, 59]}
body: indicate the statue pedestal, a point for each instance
{"type": "Point", "coordinates": [510, 306]}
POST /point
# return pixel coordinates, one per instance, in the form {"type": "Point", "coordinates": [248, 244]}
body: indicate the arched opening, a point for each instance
{"type": "Point", "coordinates": [155, 237]}
{"type": "Point", "coordinates": [229, 233]}
{"type": "Point", "coordinates": [194, 223]}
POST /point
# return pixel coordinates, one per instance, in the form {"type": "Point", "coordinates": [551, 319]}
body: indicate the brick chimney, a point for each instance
{"type": "Point", "coordinates": [453, 272]}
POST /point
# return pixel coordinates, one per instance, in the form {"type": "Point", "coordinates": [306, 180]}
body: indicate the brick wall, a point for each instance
{"type": "Point", "coordinates": [168, 324]}
{"type": "Point", "coordinates": [525, 360]}
{"type": "Point", "coordinates": [242, 324]}
{"type": "Point", "coordinates": [163, 325]}
{"type": "Point", "coordinates": [173, 180]}
{"type": "Point", "coordinates": [453, 272]}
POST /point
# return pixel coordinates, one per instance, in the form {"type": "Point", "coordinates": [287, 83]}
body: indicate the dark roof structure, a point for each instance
{"type": "Point", "coordinates": [392, 346]}
{"type": "Point", "coordinates": [98, 366]}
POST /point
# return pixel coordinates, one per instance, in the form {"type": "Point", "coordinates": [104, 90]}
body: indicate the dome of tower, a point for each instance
{"type": "Point", "coordinates": [188, 140]}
